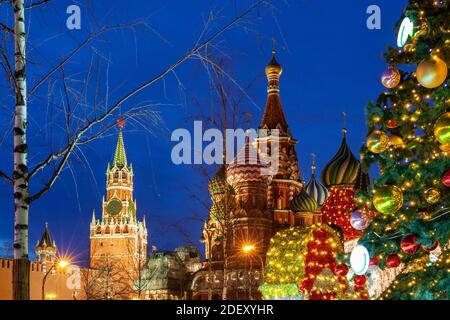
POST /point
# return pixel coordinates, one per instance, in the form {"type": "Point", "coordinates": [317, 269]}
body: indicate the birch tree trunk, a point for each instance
{"type": "Point", "coordinates": [21, 265]}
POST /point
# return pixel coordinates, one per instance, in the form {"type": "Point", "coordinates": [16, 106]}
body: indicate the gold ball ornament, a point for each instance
{"type": "Point", "coordinates": [388, 199]}
{"type": "Point", "coordinates": [431, 73]}
{"type": "Point", "coordinates": [432, 196]}
{"type": "Point", "coordinates": [444, 147]}
{"type": "Point", "coordinates": [396, 141]}
{"type": "Point", "coordinates": [442, 128]}
{"type": "Point", "coordinates": [377, 142]}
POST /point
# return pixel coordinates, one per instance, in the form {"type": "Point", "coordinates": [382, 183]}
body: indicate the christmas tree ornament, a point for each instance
{"type": "Point", "coordinates": [392, 261]}
{"type": "Point", "coordinates": [374, 261]}
{"type": "Point", "coordinates": [432, 72]}
{"type": "Point", "coordinates": [359, 260]}
{"type": "Point", "coordinates": [432, 195]}
{"type": "Point", "coordinates": [360, 280]}
{"type": "Point", "coordinates": [445, 147]}
{"type": "Point", "coordinates": [424, 215]}
{"type": "Point", "coordinates": [341, 270]}
{"type": "Point", "coordinates": [388, 199]}
{"type": "Point", "coordinates": [442, 129]}
{"type": "Point", "coordinates": [431, 247]}
{"type": "Point", "coordinates": [359, 220]}
{"type": "Point", "coordinates": [409, 245]}
{"type": "Point", "coordinates": [390, 78]}
{"type": "Point", "coordinates": [392, 124]}
{"type": "Point", "coordinates": [377, 142]}
{"type": "Point", "coordinates": [446, 179]}
{"type": "Point", "coordinates": [395, 141]}
{"type": "Point", "coordinates": [361, 198]}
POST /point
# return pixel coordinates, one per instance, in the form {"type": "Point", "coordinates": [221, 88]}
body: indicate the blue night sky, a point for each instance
{"type": "Point", "coordinates": [331, 63]}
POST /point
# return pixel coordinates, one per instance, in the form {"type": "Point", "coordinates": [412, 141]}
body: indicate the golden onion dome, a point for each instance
{"type": "Point", "coordinates": [273, 67]}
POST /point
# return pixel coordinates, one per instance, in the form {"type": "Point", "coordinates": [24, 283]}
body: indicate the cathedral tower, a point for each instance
{"type": "Point", "coordinates": [285, 182]}
{"type": "Point", "coordinates": [118, 236]}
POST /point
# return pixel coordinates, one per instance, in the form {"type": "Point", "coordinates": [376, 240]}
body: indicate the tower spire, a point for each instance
{"type": "Point", "coordinates": [273, 117]}
{"type": "Point", "coordinates": [120, 157]}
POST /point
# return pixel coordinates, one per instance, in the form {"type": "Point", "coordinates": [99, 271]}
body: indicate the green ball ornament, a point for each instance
{"type": "Point", "coordinates": [432, 196]}
{"type": "Point", "coordinates": [377, 142]}
{"type": "Point", "coordinates": [442, 128]}
{"type": "Point", "coordinates": [388, 199]}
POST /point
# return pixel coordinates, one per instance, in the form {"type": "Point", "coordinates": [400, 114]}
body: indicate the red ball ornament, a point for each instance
{"type": "Point", "coordinates": [431, 247]}
{"type": "Point", "coordinates": [360, 280]}
{"type": "Point", "coordinates": [446, 179]}
{"type": "Point", "coordinates": [392, 124]}
{"type": "Point", "coordinates": [341, 270]}
{"type": "Point", "coordinates": [393, 261]}
{"type": "Point", "coordinates": [374, 261]}
{"type": "Point", "coordinates": [409, 245]}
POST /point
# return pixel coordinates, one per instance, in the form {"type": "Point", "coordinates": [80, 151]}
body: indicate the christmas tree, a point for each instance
{"type": "Point", "coordinates": [409, 140]}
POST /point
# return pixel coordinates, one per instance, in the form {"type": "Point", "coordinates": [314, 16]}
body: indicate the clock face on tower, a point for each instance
{"type": "Point", "coordinates": [114, 207]}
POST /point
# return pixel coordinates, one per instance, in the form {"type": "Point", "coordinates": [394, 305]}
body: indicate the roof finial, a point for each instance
{"type": "Point", "coordinates": [313, 163]}
{"type": "Point", "coordinates": [273, 47]}
{"type": "Point", "coordinates": [344, 119]}
{"type": "Point", "coordinates": [249, 119]}
{"type": "Point", "coordinates": [46, 224]}
{"type": "Point", "coordinates": [120, 123]}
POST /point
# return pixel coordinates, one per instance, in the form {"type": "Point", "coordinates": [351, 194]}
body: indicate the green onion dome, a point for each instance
{"type": "Point", "coordinates": [218, 184]}
{"type": "Point", "coordinates": [342, 169]}
{"type": "Point", "coordinates": [303, 202]}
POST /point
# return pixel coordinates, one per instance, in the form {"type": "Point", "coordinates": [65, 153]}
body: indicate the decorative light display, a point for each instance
{"type": "Point", "coordinates": [359, 260]}
{"type": "Point", "coordinates": [337, 209]}
{"type": "Point", "coordinates": [305, 257]}
{"type": "Point", "coordinates": [405, 32]}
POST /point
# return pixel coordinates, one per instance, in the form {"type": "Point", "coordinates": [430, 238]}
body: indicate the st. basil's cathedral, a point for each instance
{"type": "Point", "coordinates": [250, 210]}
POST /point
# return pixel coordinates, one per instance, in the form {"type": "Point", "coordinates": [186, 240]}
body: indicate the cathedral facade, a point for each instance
{"type": "Point", "coordinates": [249, 208]}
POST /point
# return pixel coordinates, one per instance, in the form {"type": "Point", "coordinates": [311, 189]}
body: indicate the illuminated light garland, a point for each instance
{"type": "Point", "coordinates": [306, 258]}
{"type": "Point", "coordinates": [337, 209]}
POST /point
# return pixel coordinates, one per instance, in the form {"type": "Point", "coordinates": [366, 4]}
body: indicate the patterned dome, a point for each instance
{"type": "Point", "coordinates": [342, 169]}
{"type": "Point", "coordinates": [273, 67]}
{"type": "Point", "coordinates": [248, 166]}
{"type": "Point", "coordinates": [303, 202]}
{"type": "Point", "coordinates": [316, 190]}
{"type": "Point", "coordinates": [218, 184]}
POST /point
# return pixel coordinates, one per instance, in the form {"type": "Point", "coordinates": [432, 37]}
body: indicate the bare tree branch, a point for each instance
{"type": "Point", "coordinates": [67, 150]}
{"type": "Point", "coordinates": [37, 4]}
{"type": "Point", "coordinates": [6, 28]}
{"type": "Point", "coordinates": [6, 177]}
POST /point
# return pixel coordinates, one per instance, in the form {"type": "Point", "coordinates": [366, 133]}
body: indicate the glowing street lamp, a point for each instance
{"type": "Point", "coordinates": [248, 248]}
{"type": "Point", "coordinates": [60, 263]}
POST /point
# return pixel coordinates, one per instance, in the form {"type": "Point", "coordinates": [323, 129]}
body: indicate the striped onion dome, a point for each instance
{"type": "Point", "coordinates": [303, 202]}
{"type": "Point", "coordinates": [314, 187]}
{"type": "Point", "coordinates": [316, 190]}
{"type": "Point", "coordinates": [247, 166]}
{"type": "Point", "coordinates": [342, 169]}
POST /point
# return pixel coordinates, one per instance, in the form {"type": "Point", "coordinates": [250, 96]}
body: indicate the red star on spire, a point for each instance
{"type": "Point", "coordinates": [120, 123]}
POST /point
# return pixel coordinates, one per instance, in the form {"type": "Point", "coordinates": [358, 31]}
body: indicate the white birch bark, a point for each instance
{"type": "Point", "coordinates": [20, 175]}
